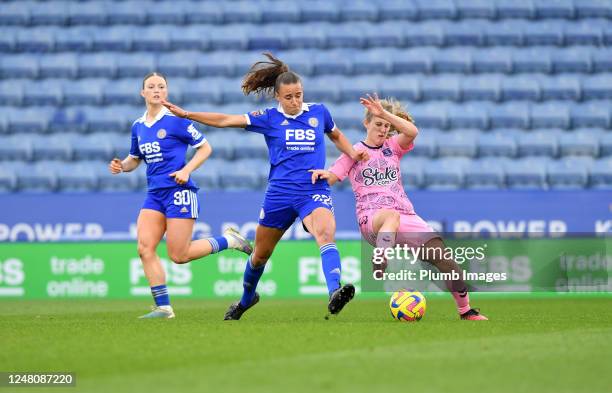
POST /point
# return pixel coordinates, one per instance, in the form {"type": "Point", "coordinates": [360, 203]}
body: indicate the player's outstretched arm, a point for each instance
{"type": "Point", "coordinates": [128, 164]}
{"type": "Point", "coordinates": [219, 120]}
{"type": "Point", "coordinates": [201, 155]}
{"type": "Point", "coordinates": [344, 145]}
{"type": "Point", "coordinates": [406, 129]}
{"type": "Point", "coordinates": [318, 174]}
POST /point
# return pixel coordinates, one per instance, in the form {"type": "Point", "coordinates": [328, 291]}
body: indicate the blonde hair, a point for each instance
{"type": "Point", "coordinates": [394, 106]}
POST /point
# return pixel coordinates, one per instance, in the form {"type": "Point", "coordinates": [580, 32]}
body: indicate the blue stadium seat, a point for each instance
{"type": "Point", "coordinates": [549, 33]}
{"type": "Point", "coordinates": [111, 118]}
{"type": "Point", "coordinates": [224, 143]}
{"type": "Point", "coordinates": [135, 64]}
{"type": "Point", "coordinates": [49, 13]}
{"type": "Point", "coordinates": [426, 143]}
{"type": "Point", "coordinates": [424, 34]}
{"type": "Point", "coordinates": [374, 61]}
{"type": "Point", "coordinates": [96, 146]}
{"type": "Point", "coordinates": [229, 37]}
{"type": "Point", "coordinates": [244, 175]}
{"type": "Point", "coordinates": [418, 60]}
{"type": "Point", "coordinates": [567, 174]}
{"type": "Point", "coordinates": [605, 144]}
{"type": "Point", "coordinates": [464, 33]}
{"type": "Point", "coordinates": [11, 92]}
{"type": "Point", "coordinates": [115, 38]}
{"type": "Point", "coordinates": [497, 144]}
{"type": "Point", "coordinates": [492, 60]}
{"type": "Point", "coordinates": [412, 171]}
{"type": "Point", "coordinates": [602, 60]}
{"type": "Point", "coordinates": [319, 11]}
{"type": "Point", "coordinates": [126, 12]}
{"type": "Point", "coordinates": [19, 66]}
{"type": "Point", "coordinates": [306, 36]}
{"type": "Point", "coordinates": [538, 143]}
{"type": "Point", "coordinates": [77, 178]}
{"type": "Point", "coordinates": [553, 114]}
{"type": "Point", "coordinates": [58, 66]}
{"type": "Point", "coordinates": [503, 33]}
{"type": "Point", "coordinates": [473, 115]}
{"type": "Point", "coordinates": [232, 93]}
{"type": "Point", "coordinates": [353, 88]}
{"type": "Point", "coordinates": [402, 87]}
{"type": "Point", "coordinates": [515, 9]}
{"type": "Point", "coordinates": [430, 115]}
{"type": "Point", "coordinates": [189, 38]}
{"type": "Point", "coordinates": [170, 12]}
{"type": "Point", "coordinates": [332, 62]}
{"type": "Point", "coordinates": [526, 174]}
{"type": "Point", "coordinates": [51, 147]}
{"type": "Point", "coordinates": [583, 33]}
{"type": "Point", "coordinates": [215, 64]}
{"type": "Point", "coordinates": [178, 64]}
{"type": "Point", "coordinates": [204, 15]}
{"type": "Point", "coordinates": [39, 177]}
{"type": "Point", "coordinates": [485, 174]}
{"type": "Point", "coordinates": [119, 142]}
{"type": "Point", "coordinates": [481, 9]}
{"type": "Point", "coordinates": [536, 59]}
{"type": "Point", "coordinates": [87, 13]}
{"type": "Point", "coordinates": [84, 91]}
{"type": "Point", "coordinates": [108, 182]}
{"type": "Point", "coordinates": [207, 176]}
{"type": "Point", "coordinates": [322, 89]}
{"type": "Point", "coordinates": [598, 87]}
{"type": "Point", "coordinates": [349, 115]}
{"type": "Point", "coordinates": [436, 9]}
{"type": "Point", "coordinates": [243, 11]}
{"type": "Point", "coordinates": [46, 92]}
{"type": "Point", "coordinates": [452, 60]}
{"type": "Point", "coordinates": [593, 9]}
{"type": "Point", "coordinates": [572, 60]}
{"type": "Point", "coordinates": [459, 143]}
{"type": "Point", "coordinates": [97, 65]}
{"type": "Point", "coordinates": [440, 87]}
{"type": "Point", "coordinates": [8, 180]}
{"type": "Point", "coordinates": [8, 41]}
{"type": "Point", "coordinates": [564, 87]}
{"type": "Point", "coordinates": [75, 39]}
{"type": "Point", "coordinates": [287, 12]}
{"type": "Point", "coordinates": [578, 144]}
{"type": "Point", "coordinates": [4, 115]}
{"type": "Point", "coordinates": [14, 14]}
{"type": "Point", "coordinates": [71, 119]}
{"type": "Point", "coordinates": [195, 91]}
{"type": "Point", "coordinates": [523, 87]}
{"type": "Point", "coordinates": [152, 38]}
{"type": "Point", "coordinates": [509, 115]}
{"type": "Point", "coordinates": [545, 9]}
{"type": "Point", "coordinates": [299, 60]}
{"type": "Point", "coordinates": [397, 10]}
{"type": "Point", "coordinates": [601, 174]}
{"type": "Point", "coordinates": [359, 10]}
{"type": "Point", "coordinates": [445, 174]}
{"type": "Point", "coordinates": [483, 87]}
{"type": "Point", "coordinates": [267, 38]}
{"type": "Point", "coordinates": [346, 35]}
{"type": "Point", "coordinates": [123, 91]}
{"type": "Point", "coordinates": [15, 148]}
{"type": "Point", "coordinates": [382, 35]}
{"type": "Point", "coordinates": [251, 145]}
{"type": "Point", "coordinates": [29, 120]}
{"type": "Point", "coordinates": [592, 114]}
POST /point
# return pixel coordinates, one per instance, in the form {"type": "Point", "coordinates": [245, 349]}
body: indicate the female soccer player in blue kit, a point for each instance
{"type": "Point", "coordinates": [161, 139]}
{"type": "Point", "coordinates": [294, 133]}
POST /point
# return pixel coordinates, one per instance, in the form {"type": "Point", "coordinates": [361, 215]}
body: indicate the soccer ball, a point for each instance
{"type": "Point", "coordinates": [407, 305]}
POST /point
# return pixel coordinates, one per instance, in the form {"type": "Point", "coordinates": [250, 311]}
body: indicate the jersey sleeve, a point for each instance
{"type": "Point", "coordinates": [328, 121]}
{"type": "Point", "coordinates": [396, 148]}
{"type": "Point", "coordinates": [258, 121]}
{"type": "Point", "coordinates": [134, 149]}
{"type": "Point", "coordinates": [191, 135]}
{"type": "Point", "coordinates": [342, 166]}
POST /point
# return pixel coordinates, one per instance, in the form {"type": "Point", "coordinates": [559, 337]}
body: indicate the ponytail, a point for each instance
{"type": "Point", "coordinates": [265, 77]}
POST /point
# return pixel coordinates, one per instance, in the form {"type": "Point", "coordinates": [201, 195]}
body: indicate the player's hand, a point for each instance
{"type": "Point", "coordinates": [175, 109]}
{"type": "Point", "coordinates": [180, 177]}
{"type": "Point", "coordinates": [318, 174]}
{"type": "Point", "coordinates": [373, 105]}
{"type": "Point", "coordinates": [115, 166]}
{"type": "Point", "coordinates": [360, 155]}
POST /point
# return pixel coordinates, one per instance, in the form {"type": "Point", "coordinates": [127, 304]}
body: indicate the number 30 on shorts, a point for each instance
{"type": "Point", "coordinates": [182, 197]}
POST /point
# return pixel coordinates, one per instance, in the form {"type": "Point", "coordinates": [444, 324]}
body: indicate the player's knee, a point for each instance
{"type": "Point", "coordinates": [178, 257]}
{"type": "Point", "coordinates": [393, 220]}
{"type": "Point", "coordinates": [324, 235]}
{"type": "Point", "coordinates": [145, 251]}
{"type": "Point", "coordinates": [259, 258]}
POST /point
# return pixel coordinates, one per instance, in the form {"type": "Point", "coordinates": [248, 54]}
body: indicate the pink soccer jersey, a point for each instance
{"type": "Point", "coordinates": [377, 182]}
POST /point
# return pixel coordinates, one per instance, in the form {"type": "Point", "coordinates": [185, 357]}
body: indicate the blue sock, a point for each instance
{"type": "Point", "coordinates": [249, 282]}
{"type": "Point", "coordinates": [331, 266]}
{"type": "Point", "coordinates": [218, 243]}
{"type": "Point", "coordinates": [160, 295]}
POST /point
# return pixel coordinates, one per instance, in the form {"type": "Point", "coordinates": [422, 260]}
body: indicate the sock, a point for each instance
{"type": "Point", "coordinates": [462, 298]}
{"type": "Point", "coordinates": [249, 282]}
{"type": "Point", "coordinates": [218, 243]}
{"type": "Point", "coordinates": [160, 295]}
{"type": "Point", "coordinates": [330, 259]}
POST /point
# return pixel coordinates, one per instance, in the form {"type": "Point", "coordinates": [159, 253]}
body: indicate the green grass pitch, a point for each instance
{"type": "Point", "coordinates": [542, 344]}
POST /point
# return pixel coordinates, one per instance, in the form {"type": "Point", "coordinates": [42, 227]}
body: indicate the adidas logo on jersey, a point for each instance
{"type": "Point", "coordinates": [285, 123]}
{"type": "Point", "coordinates": [184, 210]}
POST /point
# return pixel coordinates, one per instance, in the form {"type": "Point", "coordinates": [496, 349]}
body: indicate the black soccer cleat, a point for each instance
{"type": "Point", "coordinates": [340, 297]}
{"type": "Point", "coordinates": [235, 310]}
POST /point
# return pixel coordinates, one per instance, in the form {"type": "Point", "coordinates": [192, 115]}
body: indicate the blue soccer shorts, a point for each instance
{"type": "Point", "coordinates": [280, 210]}
{"type": "Point", "coordinates": [175, 202]}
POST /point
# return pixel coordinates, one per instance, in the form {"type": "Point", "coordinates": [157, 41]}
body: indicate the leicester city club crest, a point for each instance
{"type": "Point", "coordinates": [161, 134]}
{"type": "Point", "coordinates": [313, 122]}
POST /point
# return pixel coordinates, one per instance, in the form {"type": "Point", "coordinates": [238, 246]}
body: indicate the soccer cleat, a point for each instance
{"type": "Point", "coordinates": [240, 243]}
{"type": "Point", "coordinates": [235, 310]}
{"type": "Point", "coordinates": [159, 312]}
{"type": "Point", "coordinates": [340, 297]}
{"type": "Point", "coordinates": [473, 314]}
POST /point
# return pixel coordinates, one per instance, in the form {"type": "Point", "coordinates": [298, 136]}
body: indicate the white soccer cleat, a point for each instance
{"type": "Point", "coordinates": [164, 312]}
{"type": "Point", "coordinates": [236, 241]}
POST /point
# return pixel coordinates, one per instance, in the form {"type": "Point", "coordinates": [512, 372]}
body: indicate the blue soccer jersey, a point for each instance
{"type": "Point", "coordinates": [296, 144]}
{"type": "Point", "coordinates": [163, 145]}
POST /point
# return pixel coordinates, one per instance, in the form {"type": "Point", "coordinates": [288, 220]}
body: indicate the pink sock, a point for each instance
{"type": "Point", "coordinates": [461, 298]}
